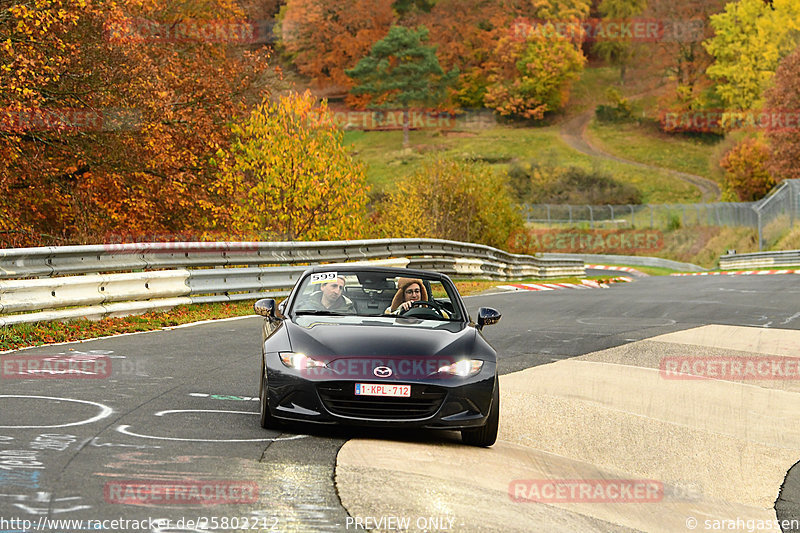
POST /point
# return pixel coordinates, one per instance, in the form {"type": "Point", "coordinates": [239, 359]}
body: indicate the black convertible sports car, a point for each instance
{"type": "Point", "coordinates": [377, 346]}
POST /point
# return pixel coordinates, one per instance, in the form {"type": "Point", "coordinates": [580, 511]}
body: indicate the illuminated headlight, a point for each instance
{"type": "Point", "coordinates": [465, 368]}
{"type": "Point", "coordinates": [299, 361]}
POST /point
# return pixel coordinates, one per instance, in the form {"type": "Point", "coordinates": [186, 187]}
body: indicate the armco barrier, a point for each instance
{"type": "Point", "coordinates": [759, 260]}
{"type": "Point", "coordinates": [632, 260]}
{"type": "Point", "coordinates": [54, 283]}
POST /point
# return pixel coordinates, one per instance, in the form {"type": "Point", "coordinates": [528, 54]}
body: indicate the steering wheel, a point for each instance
{"type": "Point", "coordinates": [427, 305]}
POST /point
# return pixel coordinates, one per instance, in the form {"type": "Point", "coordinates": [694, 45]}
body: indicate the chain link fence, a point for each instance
{"type": "Point", "coordinates": [770, 216]}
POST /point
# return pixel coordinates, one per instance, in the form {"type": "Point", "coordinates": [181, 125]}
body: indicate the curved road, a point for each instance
{"type": "Point", "coordinates": [573, 132]}
{"type": "Point", "coordinates": [178, 407]}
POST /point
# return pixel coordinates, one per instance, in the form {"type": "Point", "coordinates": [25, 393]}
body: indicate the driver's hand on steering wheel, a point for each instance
{"type": "Point", "coordinates": [405, 306]}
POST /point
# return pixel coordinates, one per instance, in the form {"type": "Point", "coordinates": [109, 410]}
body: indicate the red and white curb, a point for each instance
{"type": "Point", "coordinates": [615, 268]}
{"type": "Point", "coordinates": [584, 284]}
{"type": "Point", "coordinates": [738, 273]}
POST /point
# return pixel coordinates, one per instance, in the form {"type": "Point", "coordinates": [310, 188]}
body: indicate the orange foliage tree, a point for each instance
{"type": "Point", "coordinates": [532, 77]}
{"type": "Point", "coordinates": [680, 56]}
{"type": "Point", "coordinates": [108, 120]}
{"type": "Point", "coordinates": [324, 37]}
{"type": "Point", "coordinates": [746, 174]}
{"type": "Point", "coordinates": [783, 98]}
{"type": "Point", "coordinates": [468, 33]}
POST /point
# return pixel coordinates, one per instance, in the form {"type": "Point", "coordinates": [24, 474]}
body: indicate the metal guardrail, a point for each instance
{"type": "Point", "coordinates": [760, 260]}
{"type": "Point", "coordinates": [55, 283]}
{"type": "Point", "coordinates": [631, 260]}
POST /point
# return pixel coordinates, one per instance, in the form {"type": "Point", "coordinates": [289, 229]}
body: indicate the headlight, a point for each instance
{"type": "Point", "coordinates": [464, 368]}
{"type": "Point", "coordinates": [299, 361]}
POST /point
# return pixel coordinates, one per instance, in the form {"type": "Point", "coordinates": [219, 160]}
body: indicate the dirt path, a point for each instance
{"type": "Point", "coordinates": [573, 132]}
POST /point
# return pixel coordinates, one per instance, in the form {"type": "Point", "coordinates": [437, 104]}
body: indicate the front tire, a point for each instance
{"type": "Point", "coordinates": [267, 421]}
{"type": "Point", "coordinates": [485, 435]}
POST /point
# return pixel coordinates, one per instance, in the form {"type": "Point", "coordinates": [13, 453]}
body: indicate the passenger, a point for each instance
{"type": "Point", "coordinates": [409, 290]}
{"type": "Point", "coordinates": [330, 298]}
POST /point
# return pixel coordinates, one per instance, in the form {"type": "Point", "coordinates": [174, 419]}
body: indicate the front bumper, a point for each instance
{"type": "Point", "coordinates": [447, 403]}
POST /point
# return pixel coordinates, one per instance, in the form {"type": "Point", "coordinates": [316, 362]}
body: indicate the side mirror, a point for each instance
{"type": "Point", "coordinates": [282, 306]}
{"type": "Point", "coordinates": [487, 316]}
{"type": "Point", "coordinates": [265, 307]}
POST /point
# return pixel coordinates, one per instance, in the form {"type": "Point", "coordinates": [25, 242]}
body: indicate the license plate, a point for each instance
{"type": "Point", "coordinates": [374, 389]}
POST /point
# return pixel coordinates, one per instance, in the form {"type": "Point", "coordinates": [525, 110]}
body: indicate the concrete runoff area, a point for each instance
{"type": "Point", "coordinates": [718, 449]}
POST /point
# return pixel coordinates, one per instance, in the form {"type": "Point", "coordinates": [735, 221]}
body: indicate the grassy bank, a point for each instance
{"type": "Point", "coordinates": [645, 144]}
{"type": "Point", "coordinates": [501, 146]}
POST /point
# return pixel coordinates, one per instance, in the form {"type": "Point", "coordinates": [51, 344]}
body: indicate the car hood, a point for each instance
{"type": "Point", "coordinates": [378, 336]}
{"type": "Point", "coordinates": [358, 347]}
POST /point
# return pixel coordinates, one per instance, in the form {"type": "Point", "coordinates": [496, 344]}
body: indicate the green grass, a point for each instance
{"type": "Point", "coordinates": [652, 271]}
{"type": "Point", "coordinates": [584, 94]}
{"type": "Point", "coordinates": [387, 161]}
{"type": "Point", "coordinates": [645, 145]}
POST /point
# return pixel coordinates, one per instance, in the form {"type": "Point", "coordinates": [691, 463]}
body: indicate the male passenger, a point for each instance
{"type": "Point", "coordinates": [330, 298]}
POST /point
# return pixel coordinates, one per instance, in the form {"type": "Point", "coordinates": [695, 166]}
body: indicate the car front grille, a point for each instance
{"type": "Point", "coordinates": [340, 399]}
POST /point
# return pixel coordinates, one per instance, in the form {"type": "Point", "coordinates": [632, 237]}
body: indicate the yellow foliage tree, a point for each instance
{"type": "Point", "coordinates": [449, 199]}
{"type": "Point", "coordinates": [288, 176]}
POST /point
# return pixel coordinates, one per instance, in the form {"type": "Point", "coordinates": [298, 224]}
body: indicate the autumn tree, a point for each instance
{"type": "Point", "coordinates": [324, 37]}
{"type": "Point", "coordinates": [407, 7]}
{"type": "Point", "coordinates": [450, 199]}
{"type": "Point", "coordinates": [783, 98]}
{"type": "Point", "coordinates": [288, 175]}
{"type": "Point", "coordinates": [401, 72]}
{"type": "Point", "coordinates": [746, 174]}
{"type": "Point", "coordinates": [678, 58]}
{"type": "Point", "coordinates": [619, 52]}
{"type": "Point", "coordinates": [533, 76]}
{"type": "Point", "coordinates": [749, 41]}
{"type": "Point", "coordinates": [467, 34]}
{"type": "Point", "coordinates": [109, 120]}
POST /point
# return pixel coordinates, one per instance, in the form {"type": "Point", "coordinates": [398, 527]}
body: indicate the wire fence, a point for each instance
{"type": "Point", "coordinates": [770, 216]}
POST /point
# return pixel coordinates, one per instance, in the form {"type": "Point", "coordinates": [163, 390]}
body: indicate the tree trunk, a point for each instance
{"type": "Point", "coordinates": [406, 127]}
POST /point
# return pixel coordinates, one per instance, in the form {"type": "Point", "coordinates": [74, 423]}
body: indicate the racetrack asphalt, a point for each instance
{"type": "Point", "coordinates": [179, 405]}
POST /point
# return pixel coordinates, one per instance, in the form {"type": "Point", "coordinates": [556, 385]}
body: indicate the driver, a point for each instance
{"type": "Point", "coordinates": [409, 290]}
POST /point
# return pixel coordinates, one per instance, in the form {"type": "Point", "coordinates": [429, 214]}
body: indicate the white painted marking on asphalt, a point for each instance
{"type": "Point", "coordinates": [796, 315]}
{"type": "Point", "coordinates": [105, 411]}
{"type": "Point", "coordinates": [124, 430]}
{"type": "Point", "coordinates": [162, 413]}
{"type": "Point", "coordinates": [210, 321]}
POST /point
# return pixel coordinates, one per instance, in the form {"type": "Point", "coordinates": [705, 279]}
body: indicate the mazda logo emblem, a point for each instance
{"type": "Point", "coordinates": [382, 371]}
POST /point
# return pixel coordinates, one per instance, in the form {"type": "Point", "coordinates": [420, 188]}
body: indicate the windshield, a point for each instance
{"type": "Point", "coordinates": [343, 292]}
